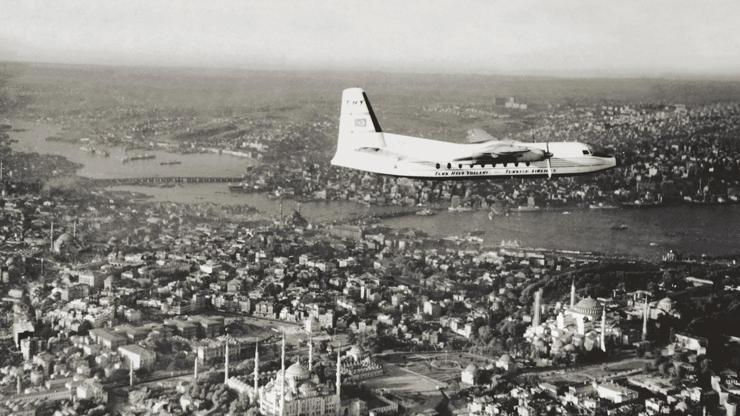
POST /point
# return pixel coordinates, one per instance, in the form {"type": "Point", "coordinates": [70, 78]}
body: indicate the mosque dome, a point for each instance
{"type": "Point", "coordinates": [356, 352]}
{"type": "Point", "coordinates": [588, 307]}
{"type": "Point", "coordinates": [61, 242]}
{"type": "Point", "coordinates": [297, 372]}
{"type": "Point", "coordinates": [308, 388]}
{"type": "Point", "coordinates": [506, 358]}
{"type": "Point", "coordinates": [665, 304]}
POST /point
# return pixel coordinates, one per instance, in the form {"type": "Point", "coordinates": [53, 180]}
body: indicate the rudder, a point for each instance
{"type": "Point", "coordinates": [357, 115]}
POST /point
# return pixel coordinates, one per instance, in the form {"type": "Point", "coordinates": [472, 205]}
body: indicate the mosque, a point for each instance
{"type": "Point", "coordinates": [580, 325]}
{"type": "Point", "coordinates": [291, 392]}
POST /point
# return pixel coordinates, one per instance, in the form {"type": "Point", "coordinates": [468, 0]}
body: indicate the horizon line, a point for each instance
{"type": "Point", "coordinates": [563, 74]}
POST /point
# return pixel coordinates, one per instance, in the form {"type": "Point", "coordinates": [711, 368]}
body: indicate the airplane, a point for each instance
{"type": "Point", "coordinates": [363, 145]}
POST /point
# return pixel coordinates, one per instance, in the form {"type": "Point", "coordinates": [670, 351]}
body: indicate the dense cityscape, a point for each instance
{"type": "Point", "coordinates": [115, 305]}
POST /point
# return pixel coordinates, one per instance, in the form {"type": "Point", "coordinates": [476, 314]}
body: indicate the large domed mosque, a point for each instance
{"type": "Point", "coordinates": [292, 393]}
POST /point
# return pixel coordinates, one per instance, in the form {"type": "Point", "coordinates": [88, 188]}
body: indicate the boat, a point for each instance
{"type": "Point", "coordinates": [642, 204]}
{"type": "Point", "coordinates": [144, 156]}
{"type": "Point", "coordinates": [601, 206]}
{"type": "Point", "coordinates": [94, 151]}
{"type": "Point", "coordinates": [244, 188]}
{"type": "Point", "coordinates": [172, 162]}
{"type": "Point", "coordinates": [425, 212]}
{"type": "Point", "coordinates": [459, 209]}
{"type": "Point", "coordinates": [619, 227]}
{"type": "Point", "coordinates": [239, 187]}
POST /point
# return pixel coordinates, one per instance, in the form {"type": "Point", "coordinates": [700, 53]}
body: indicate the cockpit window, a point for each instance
{"type": "Point", "coordinates": [586, 152]}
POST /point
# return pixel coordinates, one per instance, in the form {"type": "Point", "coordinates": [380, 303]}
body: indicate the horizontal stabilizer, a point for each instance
{"type": "Point", "coordinates": [477, 135]}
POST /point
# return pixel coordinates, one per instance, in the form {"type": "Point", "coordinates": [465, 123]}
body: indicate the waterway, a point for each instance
{"type": "Point", "coordinates": [33, 135]}
{"type": "Point", "coordinates": [269, 208]}
{"type": "Point", "coordinates": [647, 233]}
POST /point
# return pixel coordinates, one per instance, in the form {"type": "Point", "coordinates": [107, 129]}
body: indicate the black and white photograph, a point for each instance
{"type": "Point", "coordinates": [369, 208]}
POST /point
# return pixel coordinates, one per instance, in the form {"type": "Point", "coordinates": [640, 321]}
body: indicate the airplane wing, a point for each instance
{"type": "Point", "coordinates": [477, 135]}
{"type": "Point", "coordinates": [387, 153]}
{"type": "Point", "coordinates": [497, 150]}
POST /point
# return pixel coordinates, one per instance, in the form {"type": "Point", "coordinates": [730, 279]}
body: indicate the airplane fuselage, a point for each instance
{"type": "Point", "coordinates": [424, 158]}
{"type": "Point", "coordinates": [363, 145]}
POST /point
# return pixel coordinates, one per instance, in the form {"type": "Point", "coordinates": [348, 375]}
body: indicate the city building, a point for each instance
{"type": "Point", "coordinates": [138, 356]}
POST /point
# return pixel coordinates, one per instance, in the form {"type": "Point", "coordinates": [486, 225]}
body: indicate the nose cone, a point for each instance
{"type": "Point", "coordinates": [609, 162]}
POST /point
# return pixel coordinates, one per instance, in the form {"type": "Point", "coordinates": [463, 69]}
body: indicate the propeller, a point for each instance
{"type": "Point", "coordinates": [548, 155]}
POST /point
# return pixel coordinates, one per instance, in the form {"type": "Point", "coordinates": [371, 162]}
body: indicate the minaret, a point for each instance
{"type": "Point", "coordinates": [226, 362]}
{"type": "Point", "coordinates": [51, 237]}
{"type": "Point", "coordinates": [130, 373]}
{"type": "Point", "coordinates": [282, 378]}
{"type": "Point", "coordinates": [256, 367]}
{"type": "Point", "coordinates": [645, 310]}
{"type": "Point", "coordinates": [310, 353]}
{"type": "Point", "coordinates": [195, 370]}
{"type": "Point", "coordinates": [339, 381]}
{"type": "Point", "coordinates": [537, 308]}
{"type": "Point", "coordinates": [603, 329]}
{"type": "Point", "coordinates": [18, 385]}
{"type": "Point", "coordinates": [572, 293]}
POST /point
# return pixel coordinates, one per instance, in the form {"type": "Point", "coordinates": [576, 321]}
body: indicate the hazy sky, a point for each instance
{"type": "Point", "coordinates": [531, 36]}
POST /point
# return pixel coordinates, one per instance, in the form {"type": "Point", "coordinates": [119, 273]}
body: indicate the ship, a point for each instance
{"type": "Point", "coordinates": [459, 209]}
{"type": "Point", "coordinates": [144, 156]}
{"type": "Point", "coordinates": [240, 187]}
{"type": "Point", "coordinates": [172, 162]}
{"type": "Point", "coordinates": [641, 203]}
{"type": "Point", "coordinates": [601, 206]}
{"type": "Point", "coordinates": [425, 212]}
{"type": "Point", "coordinates": [95, 151]}
{"type": "Point", "coordinates": [619, 227]}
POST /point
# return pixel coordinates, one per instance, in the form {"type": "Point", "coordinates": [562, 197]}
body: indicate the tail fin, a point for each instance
{"type": "Point", "coordinates": [357, 114]}
{"type": "Point", "coordinates": [358, 126]}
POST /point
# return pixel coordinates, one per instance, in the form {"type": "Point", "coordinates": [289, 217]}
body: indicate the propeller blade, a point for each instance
{"type": "Point", "coordinates": [549, 155]}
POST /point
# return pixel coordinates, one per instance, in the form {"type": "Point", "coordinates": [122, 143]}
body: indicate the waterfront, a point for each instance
{"type": "Point", "coordinates": [649, 233]}
{"type": "Point", "coordinates": [31, 137]}
{"type": "Point", "coordinates": [269, 208]}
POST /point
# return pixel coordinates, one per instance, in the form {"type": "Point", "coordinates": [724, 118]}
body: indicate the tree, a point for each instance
{"type": "Point", "coordinates": [664, 367]}
{"type": "Point", "coordinates": [239, 406]}
{"type": "Point", "coordinates": [484, 334]}
{"type": "Point", "coordinates": [705, 366]}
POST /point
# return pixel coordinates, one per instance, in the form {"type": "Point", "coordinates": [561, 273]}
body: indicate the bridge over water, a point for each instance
{"type": "Point", "coordinates": [163, 179]}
